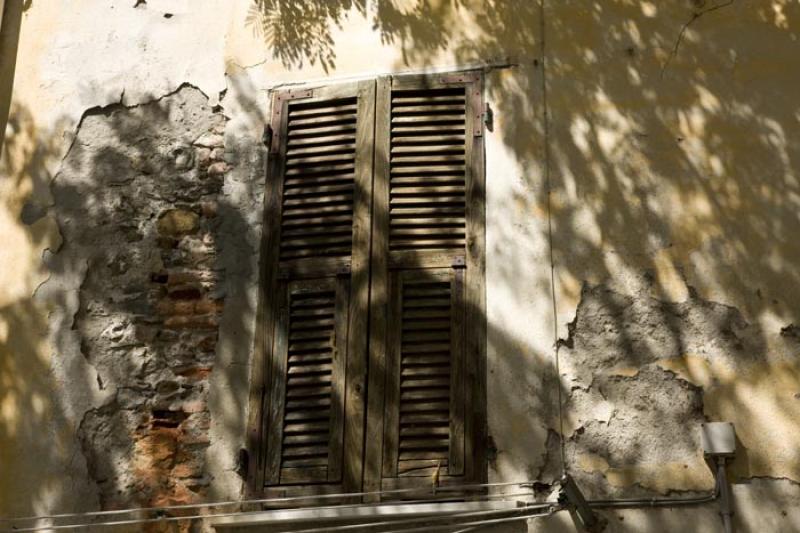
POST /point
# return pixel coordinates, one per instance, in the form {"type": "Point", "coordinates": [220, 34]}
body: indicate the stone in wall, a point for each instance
{"type": "Point", "coordinates": [137, 200]}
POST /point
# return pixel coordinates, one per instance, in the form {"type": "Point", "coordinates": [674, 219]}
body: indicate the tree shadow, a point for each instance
{"type": "Point", "coordinates": [670, 144]}
{"type": "Point", "coordinates": [673, 196]}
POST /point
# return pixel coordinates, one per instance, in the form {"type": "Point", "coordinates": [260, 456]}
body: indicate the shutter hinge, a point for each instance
{"type": "Point", "coordinates": [488, 117]}
{"type": "Point", "coordinates": [459, 262]}
{"type": "Point", "coordinates": [464, 77]}
{"type": "Point", "coordinates": [296, 94]}
{"type": "Point", "coordinates": [266, 137]}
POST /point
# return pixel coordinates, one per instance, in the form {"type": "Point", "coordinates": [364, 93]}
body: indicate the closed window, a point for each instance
{"type": "Point", "coordinates": [369, 373]}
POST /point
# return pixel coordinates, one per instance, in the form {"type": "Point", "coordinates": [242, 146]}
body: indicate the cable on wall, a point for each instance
{"type": "Point", "coordinates": [549, 190]}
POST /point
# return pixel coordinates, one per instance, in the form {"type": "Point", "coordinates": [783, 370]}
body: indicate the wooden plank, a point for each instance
{"type": "Point", "coordinates": [339, 380]}
{"type": "Point", "coordinates": [335, 140]}
{"type": "Point", "coordinates": [340, 130]}
{"type": "Point", "coordinates": [427, 169]}
{"type": "Point", "coordinates": [415, 130]}
{"type": "Point", "coordinates": [339, 168]}
{"type": "Point", "coordinates": [347, 107]}
{"type": "Point", "coordinates": [475, 295]}
{"type": "Point", "coordinates": [277, 390]}
{"type": "Point", "coordinates": [421, 467]}
{"type": "Point", "coordinates": [424, 484]}
{"type": "Point", "coordinates": [425, 380]}
{"type": "Point", "coordinates": [426, 160]}
{"type": "Point", "coordinates": [391, 417]}
{"type": "Point", "coordinates": [429, 106]}
{"type": "Point", "coordinates": [457, 399]}
{"type": "Point", "coordinates": [260, 374]}
{"type": "Point", "coordinates": [303, 475]}
{"type": "Point", "coordinates": [427, 120]}
{"type": "Point", "coordinates": [434, 148]}
{"type": "Point", "coordinates": [295, 152]}
{"type": "Point", "coordinates": [423, 258]}
{"type": "Point", "coordinates": [426, 190]}
{"type": "Point", "coordinates": [321, 424]}
{"type": "Point", "coordinates": [451, 140]}
{"type": "Point", "coordinates": [267, 366]}
{"type": "Point", "coordinates": [321, 266]}
{"type": "Point", "coordinates": [296, 160]}
{"type": "Point", "coordinates": [355, 402]}
{"type": "Point", "coordinates": [401, 100]}
{"type": "Point", "coordinates": [307, 123]}
{"type": "Point", "coordinates": [379, 288]}
{"type": "Point", "coordinates": [307, 190]}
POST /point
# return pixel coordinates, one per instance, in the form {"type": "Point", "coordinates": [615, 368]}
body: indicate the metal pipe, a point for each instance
{"type": "Point", "coordinates": [438, 490]}
{"type": "Point", "coordinates": [428, 519]}
{"type": "Point", "coordinates": [726, 507]}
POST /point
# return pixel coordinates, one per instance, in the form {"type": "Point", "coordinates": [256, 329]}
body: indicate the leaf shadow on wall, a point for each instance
{"type": "Point", "coordinates": [672, 151]}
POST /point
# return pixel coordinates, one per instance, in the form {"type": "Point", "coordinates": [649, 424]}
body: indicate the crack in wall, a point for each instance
{"type": "Point", "coordinates": [696, 15]}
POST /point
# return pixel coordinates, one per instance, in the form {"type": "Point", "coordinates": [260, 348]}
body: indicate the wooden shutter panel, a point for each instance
{"type": "Point", "coordinates": [427, 332]}
{"type": "Point", "coordinates": [315, 275]}
{"type": "Point", "coordinates": [425, 402]}
{"type": "Point", "coordinates": [426, 189]}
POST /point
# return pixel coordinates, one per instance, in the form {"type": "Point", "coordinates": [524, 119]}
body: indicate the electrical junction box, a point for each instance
{"type": "Point", "coordinates": [719, 439]}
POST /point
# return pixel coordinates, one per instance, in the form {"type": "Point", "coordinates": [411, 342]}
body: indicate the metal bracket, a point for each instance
{"type": "Point", "coordinates": [459, 262]}
{"type": "Point", "coordinates": [725, 501]}
{"type": "Point", "coordinates": [571, 496]}
{"type": "Point", "coordinates": [295, 94]}
{"type": "Point", "coordinates": [464, 77]}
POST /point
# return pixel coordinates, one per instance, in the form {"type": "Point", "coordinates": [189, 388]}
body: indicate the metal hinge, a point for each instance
{"type": "Point", "coordinates": [488, 117]}
{"type": "Point", "coordinates": [463, 77]}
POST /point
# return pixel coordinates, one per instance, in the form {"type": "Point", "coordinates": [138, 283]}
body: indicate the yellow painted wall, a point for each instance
{"type": "Point", "coordinates": [672, 146]}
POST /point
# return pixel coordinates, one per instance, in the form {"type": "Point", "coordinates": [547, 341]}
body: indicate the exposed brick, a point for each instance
{"type": "Point", "coordinates": [191, 322]}
{"type": "Point", "coordinates": [187, 291]}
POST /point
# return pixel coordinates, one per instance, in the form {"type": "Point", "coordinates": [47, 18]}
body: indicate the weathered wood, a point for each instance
{"type": "Point", "coordinates": [263, 373]}
{"type": "Point", "coordinates": [339, 380]}
{"type": "Point", "coordinates": [475, 295]}
{"type": "Point", "coordinates": [391, 417]}
{"type": "Point", "coordinates": [378, 294]}
{"type": "Point", "coordinates": [277, 390]}
{"type": "Point", "coordinates": [457, 393]}
{"type": "Point", "coordinates": [355, 402]}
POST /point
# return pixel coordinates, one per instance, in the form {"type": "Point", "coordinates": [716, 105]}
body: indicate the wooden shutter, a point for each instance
{"type": "Point", "coordinates": [426, 330]}
{"type": "Point", "coordinates": [308, 418]}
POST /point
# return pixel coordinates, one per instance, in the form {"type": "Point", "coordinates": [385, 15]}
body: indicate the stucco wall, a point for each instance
{"type": "Point", "coordinates": [668, 137]}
